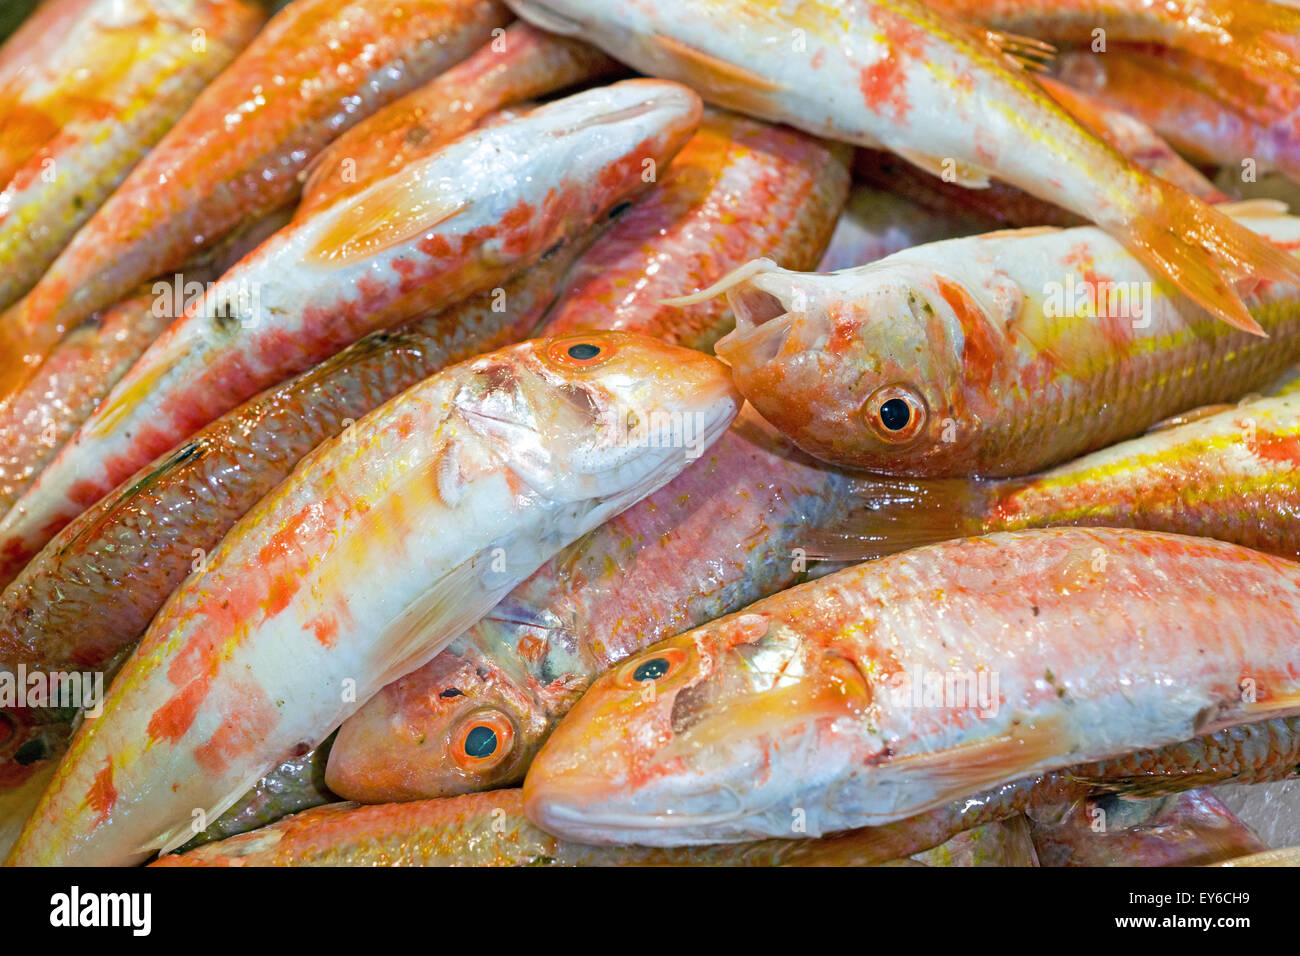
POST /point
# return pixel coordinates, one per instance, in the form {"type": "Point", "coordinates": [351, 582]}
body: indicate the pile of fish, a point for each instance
{"type": "Point", "coordinates": [591, 432]}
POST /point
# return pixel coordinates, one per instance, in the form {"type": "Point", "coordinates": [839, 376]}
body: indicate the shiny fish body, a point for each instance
{"type": "Point", "coordinates": [84, 601]}
{"type": "Point", "coordinates": [722, 534]}
{"type": "Point", "coordinates": [1002, 354]}
{"type": "Point", "coordinates": [482, 829]}
{"type": "Point", "coordinates": [76, 117]}
{"type": "Point", "coordinates": [459, 489]}
{"type": "Point", "coordinates": [438, 230]}
{"type": "Point", "coordinates": [819, 699]}
{"type": "Point", "coordinates": [1211, 113]}
{"type": "Point", "coordinates": [520, 64]}
{"type": "Point", "coordinates": [1259, 37]}
{"type": "Point", "coordinates": [949, 98]}
{"type": "Point", "coordinates": [738, 186]}
{"type": "Point", "coordinates": [317, 68]}
{"type": "Point", "coordinates": [82, 369]}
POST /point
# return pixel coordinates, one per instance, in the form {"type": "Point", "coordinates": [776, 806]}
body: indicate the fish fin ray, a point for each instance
{"type": "Point", "coordinates": [964, 174]}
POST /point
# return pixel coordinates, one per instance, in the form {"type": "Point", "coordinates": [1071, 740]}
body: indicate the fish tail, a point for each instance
{"type": "Point", "coordinates": [887, 515]}
{"type": "Point", "coordinates": [1211, 257]}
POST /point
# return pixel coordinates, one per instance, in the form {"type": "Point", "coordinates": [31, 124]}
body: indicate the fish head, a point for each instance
{"type": "Point", "coordinates": [606, 417]}
{"type": "Point", "coordinates": [695, 738]}
{"type": "Point", "coordinates": [459, 724]}
{"type": "Point", "coordinates": [861, 368]}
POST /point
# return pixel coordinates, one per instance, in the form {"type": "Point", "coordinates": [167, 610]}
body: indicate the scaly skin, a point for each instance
{"type": "Point", "coordinates": [1250, 753]}
{"type": "Point", "coordinates": [721, 535]}
{"type": "Point", "coordinates": [85, 600]}
{"type": "Point", "coordinates": [739, 189]}
{"type": "Point", "coordinates": [1255, 36]}
{"type": "Point", "coordinates": [1008, 206]}
{"type": "Point", "coordinates": [317, 68]}
{"type": "Point", "coordinates": [1213, 114]}
{"type": "Point", "coordinates": [85, 366]}
{"type": "Point", "coordinates": [1187, 829]}
{"type": "Point", "coordinates": [74, 126]}
{"type": "Point", "coordinates": [1234, 476]}
{"type": "Point", "coordinates": [988, 379]}
{"type": "Point", "coordinates": [895, 74]}
{"type": "Point", "coordinates": [459, 488]}
{"type": "Point", "coordinates": [482, 829]}
{"type": "Point", "coordinates": [521, 64]}
{"type": "Point", "coordinates": [459, 222]}
{"type": "Point", "coordinates": [818, 698]}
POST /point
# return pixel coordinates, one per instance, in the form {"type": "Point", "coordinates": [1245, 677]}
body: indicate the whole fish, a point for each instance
{"type": "Point", "coordinates": [100, 81]}
{"type": "Point", "coordinates": [480, 829]}
{"type": "Point", "coordinates": [1193, 828]}
{"type": "Point", "coordinates": [93, 357]}
{"type": "Point", "coordinates": [318, 67]}
{"type": "Point", "coordinates": [952, 99]}
{"type": "Point", "coordinates": [84, 601]}
{"type": "Point", "coordinates": [739, 186]}
{"type": "Point", "coordinates": [1259, 36]}
{"type": "Point", "coordinates": [903, 684]}
{"type": "Point", "coordinates": [721, 535]}
{"type": "Point", "coordinates": [519, 64]}
{"type": "Point", "coordinates": [459, 488]}
{"type": "Point", "coordinates": [459, 222]}
{"type": "Point", "coordinates": [1212, 113]}
{"type": "Point", "coordinates": [1228, 473]}
{"type": "Point", "coordinates": [992, 355]}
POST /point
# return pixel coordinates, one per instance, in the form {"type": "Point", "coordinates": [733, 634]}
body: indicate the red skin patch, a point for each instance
{"type": "Point", "coordinates": [103, 795]}
{"type": "Point", "coordinates": [979, 354]}
{"type": "Point", "coordinates": [884, 83]}
{"type": "Point", "coordinates": [171, 721]}
{"type": "Point", "coordinates": [326, 627]}
{"type": "Point", "coordinates": [240, 732]}
{"type": "Point", "coordinates": [1274, 449]}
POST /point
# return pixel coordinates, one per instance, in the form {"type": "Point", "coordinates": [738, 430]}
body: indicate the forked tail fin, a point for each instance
{"type": "Point", "coordinates": [1210, 256]}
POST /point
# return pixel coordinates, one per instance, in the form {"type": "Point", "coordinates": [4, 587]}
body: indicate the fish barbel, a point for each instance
{"type": "Point", "coordinates": [1224, 472]}
{"type": "Point", "coordinates": [84, 601]}
{"type": "Point", "coordinates": [897, 686]}
{"type": "Point", "coordinates": [459, 488]}
{"type": "Point", "coordinates": [1258, 36]}
{"type": "Point", "coordinates": [520, 64]}
{"type": "Point", "coordinates": [480, 829]}
{"type": "Point", "coordinates": [739, 185]}
{"type": "Point", "coordinates": [952, 99]}
{"type": "Point", "coordinates": [318, 67]}
{"type": "Point", "coordinates": [459, 222]}
{"type": "Point", "coordinates": [724, 533]}
{"type": "Point", "coordinates": [89, 87]}
{"type": "Point", "coordinates": [992, 355]}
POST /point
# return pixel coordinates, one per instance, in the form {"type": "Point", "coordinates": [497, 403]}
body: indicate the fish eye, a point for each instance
{"type": "Point", "coordinates": [652, 667]}
{"type": "Point", "coordinates": [895, 414]}
{"type": "Point", "coordinates": [483, 740]}
{"type": "Point", "coordinates": [578, 352]}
